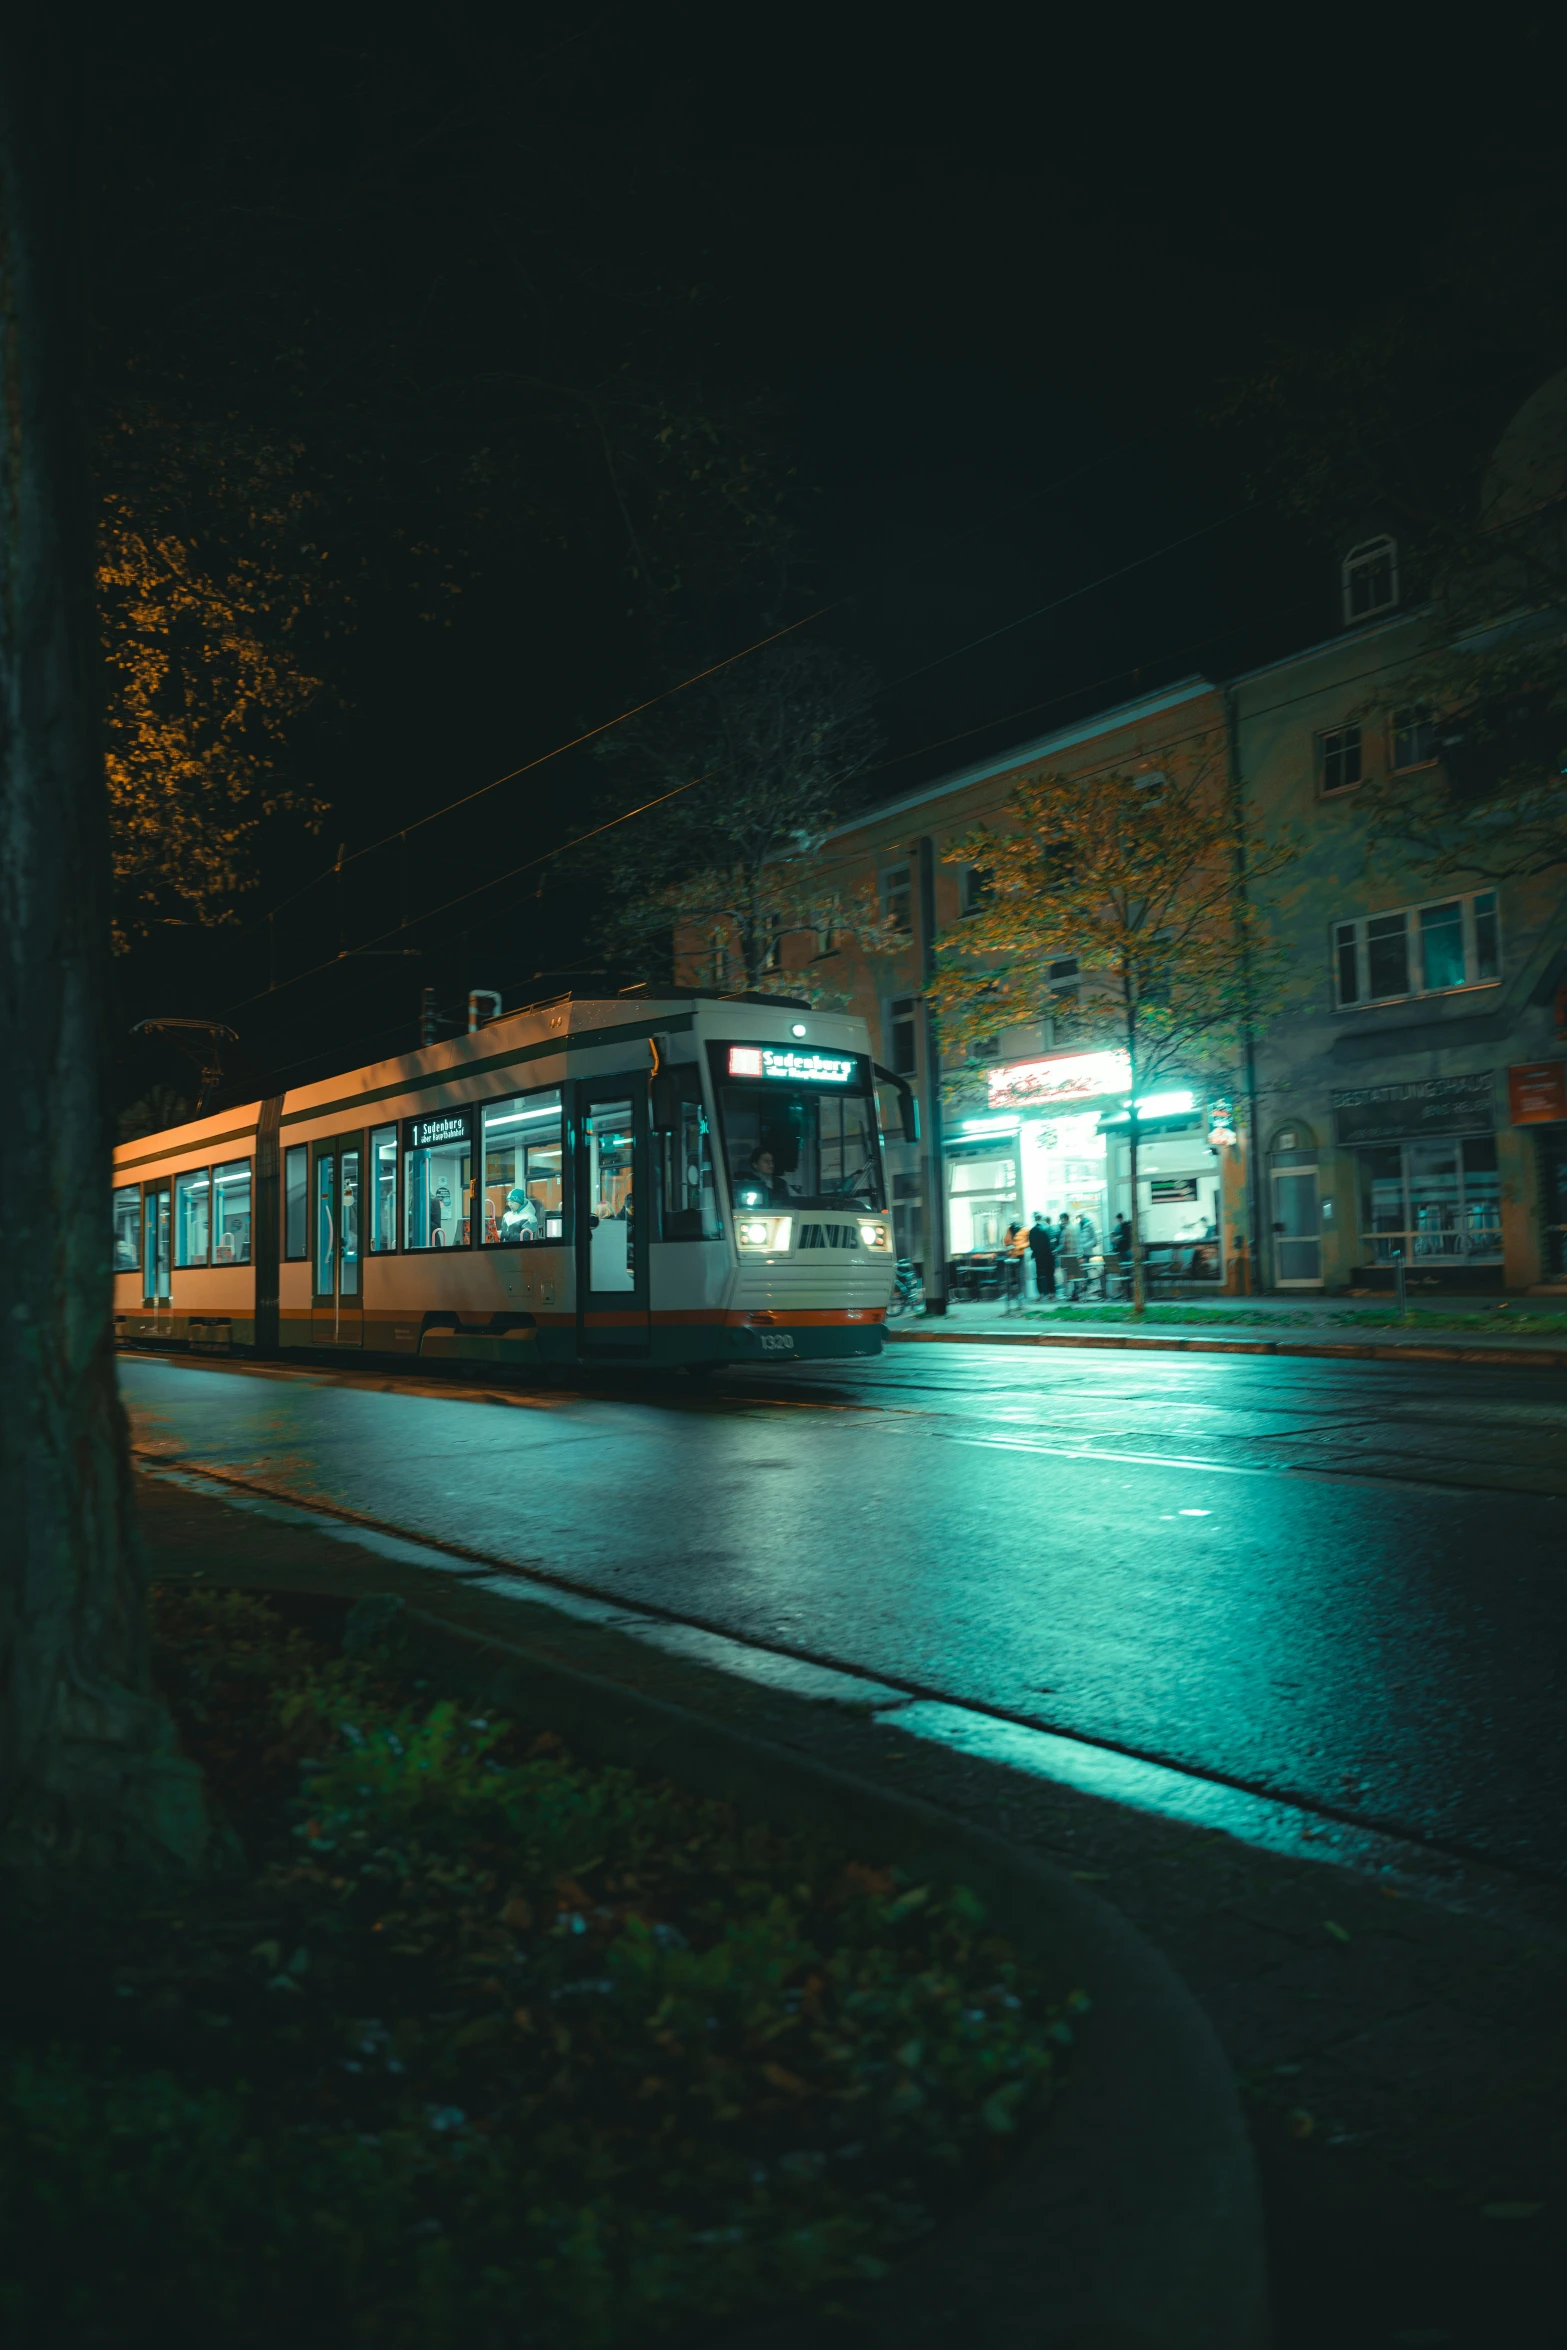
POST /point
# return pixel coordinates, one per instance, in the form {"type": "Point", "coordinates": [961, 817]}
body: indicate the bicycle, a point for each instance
{"type": "Point", "coordinates": [908, 1291]}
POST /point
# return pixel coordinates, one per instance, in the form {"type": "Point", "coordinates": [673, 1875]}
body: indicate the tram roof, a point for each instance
{"type": "Point", "coordinates": [425, 1066]}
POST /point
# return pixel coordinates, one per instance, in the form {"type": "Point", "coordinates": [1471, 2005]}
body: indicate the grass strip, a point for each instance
{"type": "Point", "coordinates": [482, 2046]}
{"type": "Point", "coordinates": [1505, 1321]}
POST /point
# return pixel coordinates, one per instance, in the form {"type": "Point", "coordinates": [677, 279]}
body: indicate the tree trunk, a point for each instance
{"type": "Point", "coordinates": [89, 1770]}
{"type": "Point", "coordinates": [1139, 1295]}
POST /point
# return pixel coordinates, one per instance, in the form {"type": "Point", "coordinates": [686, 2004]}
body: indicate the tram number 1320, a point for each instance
{"type": "Point", "coordinates": [777, 1342]}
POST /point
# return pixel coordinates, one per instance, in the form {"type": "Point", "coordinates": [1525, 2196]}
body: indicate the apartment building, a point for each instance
{"type": "Point", "coordinates": [1407, 1105]}
{"type": "Point", "coordinates": [1410, 1100]}
{"type": "Point", "coordinates": [1032, 1128]}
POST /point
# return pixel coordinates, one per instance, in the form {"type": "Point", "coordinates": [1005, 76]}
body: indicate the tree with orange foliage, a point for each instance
{"type": "Point", "coordinates": [1136, 877]}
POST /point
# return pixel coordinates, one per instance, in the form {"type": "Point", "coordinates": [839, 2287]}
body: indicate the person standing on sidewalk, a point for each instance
{"type": "Point", "coordinates": [1042, 1249]}
{"type": "Point", "coordinates": [1013, 1252]}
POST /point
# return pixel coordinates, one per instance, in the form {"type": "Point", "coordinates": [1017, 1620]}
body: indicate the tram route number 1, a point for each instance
{"type": "Point", "coordinates": [777, 1342]}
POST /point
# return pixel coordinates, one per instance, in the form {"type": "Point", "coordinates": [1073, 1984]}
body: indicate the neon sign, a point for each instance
{"type": "Point", "coordinates": [1074, 1077]}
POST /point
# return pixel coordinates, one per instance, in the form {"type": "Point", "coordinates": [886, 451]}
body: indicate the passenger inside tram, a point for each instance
{"type": "Point", "coordinates": [522, 1170]}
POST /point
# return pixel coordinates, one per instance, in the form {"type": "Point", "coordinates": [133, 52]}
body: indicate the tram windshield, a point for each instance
{"type": "Point", "coordinates": [798, 1127]}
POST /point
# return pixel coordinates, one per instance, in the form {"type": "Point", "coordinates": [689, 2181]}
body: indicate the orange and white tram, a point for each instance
{"type": "Point", "coordinates": [667, 1179]}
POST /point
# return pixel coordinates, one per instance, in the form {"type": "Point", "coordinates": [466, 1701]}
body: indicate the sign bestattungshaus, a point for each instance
{"type": "Point", "coordinates": [1405, 1113]}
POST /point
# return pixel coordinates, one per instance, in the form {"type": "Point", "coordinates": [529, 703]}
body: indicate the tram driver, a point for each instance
{"type": "Point", "coordinates": [762, 1186]}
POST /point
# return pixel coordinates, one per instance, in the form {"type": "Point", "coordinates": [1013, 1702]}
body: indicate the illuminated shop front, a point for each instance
{"type": "Point", "coordinates": [1052, 1142]}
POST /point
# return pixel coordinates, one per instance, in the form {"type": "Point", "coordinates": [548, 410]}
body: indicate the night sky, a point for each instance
{"type": "Point", "coordinates": [988, 276]}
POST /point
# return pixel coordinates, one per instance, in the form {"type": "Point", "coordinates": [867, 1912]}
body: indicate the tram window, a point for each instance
{"type": "Point", "coordinates": [437, 1179]}
{"type": "Point", "coordinates": [231, 1213]}
{"type": "Point", "coordinates": [383, 1194]}
{"type": "Point", "coordinates": [296, 1201]}
{"type": "Point", "coordinates": [523, 1193]}
{"type": "Point", "coordinates": [798, 1139]}
{"type": "Point", "coordinates": [683, 1152]}
{"type": "Point", "coordinates": [192, 1216]}
{"type": "Point", "coordinates": [127, 1229]}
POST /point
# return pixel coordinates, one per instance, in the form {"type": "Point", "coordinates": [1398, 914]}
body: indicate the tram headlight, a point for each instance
{"type": "Point", "coordinates": [770, 1232]}
{"type": "Point", "coordinates": [873, 1236]}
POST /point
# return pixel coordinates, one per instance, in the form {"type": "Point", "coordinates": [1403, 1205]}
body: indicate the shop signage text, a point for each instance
{"type": "Point", "coordinates": [1537, 1093]}
{"type": "Point", "coordinates": [1075, 1077]}
{"type": "Point", "coordinates": [1404, 1113]}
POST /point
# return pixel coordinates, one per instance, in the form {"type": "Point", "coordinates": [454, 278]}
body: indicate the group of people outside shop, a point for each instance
{"type": "Point", "coordinates": [1064, 1253]}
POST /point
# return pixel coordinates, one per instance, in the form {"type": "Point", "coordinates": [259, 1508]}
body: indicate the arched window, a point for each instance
{"type": "Point", "coordinates": [1369, 574]}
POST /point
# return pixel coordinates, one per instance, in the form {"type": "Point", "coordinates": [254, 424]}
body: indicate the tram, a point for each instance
{"type": "Point", "coordinates": [679, 1179]}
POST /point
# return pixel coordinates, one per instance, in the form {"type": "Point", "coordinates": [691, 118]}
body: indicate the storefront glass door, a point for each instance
{"type": "Point", "coordinates": [1297, 1228]}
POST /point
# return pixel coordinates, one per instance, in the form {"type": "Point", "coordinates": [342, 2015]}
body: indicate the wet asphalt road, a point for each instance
{"type": "Point", "coordinates": [1341, 1583]}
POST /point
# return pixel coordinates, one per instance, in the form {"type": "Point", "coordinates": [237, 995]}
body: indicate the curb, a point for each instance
{"type": "Point", "coordinates": [1132, 2221]}
{"type": "Point", "coordinates": [1416, 1350]}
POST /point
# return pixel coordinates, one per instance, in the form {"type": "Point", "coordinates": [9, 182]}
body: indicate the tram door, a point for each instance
{"type": "Point", "coordinates": [155, 1248]}
{"type": "Point", "coordinates": [612, 1205]}
{"type": "Point", "coordinates": [337, 1306]}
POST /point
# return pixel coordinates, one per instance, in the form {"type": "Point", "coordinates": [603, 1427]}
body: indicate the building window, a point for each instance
{"type": "Point", "coordinates": [231, 1213]}
{"type": "Point", "coordinates": [1065, 978]}
{"type": "Point", "coordinates": [192, 1216]}
{"type": "Point", "coordinates": [896, 902]}
{"type": "Point", "coordinates": [1422, 950]}
{"type": "Point", "coordinates": [296, 1201]}
{"type": "Point", "coordinates": [1369, 574]}
{"type": "Point", "coordinates": [127, 1229]}
{"type": "Point", "coordinates": [523, 1195]}
{"type": "Point", "coordinates": [1340, 756]}
{"type": "Point", "coordinates": [1436, 1202]}
{"type": "Point", "coordinates": [1414, 740]}
{"type": "Point", "coordinates": [718, 958]}
{"type": "Point", "coordinates": [900, 1035]}
{"type": "Point", "coordinates": [975, 885]}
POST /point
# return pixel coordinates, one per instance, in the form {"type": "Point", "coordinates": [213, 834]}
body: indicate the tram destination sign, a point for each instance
{"type": "Point", "coordinates": [791, 1067]}
{"type": "Point", "coordinates": [421, 1134]}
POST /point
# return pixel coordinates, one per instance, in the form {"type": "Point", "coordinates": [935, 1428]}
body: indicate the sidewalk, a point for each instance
{"type": "Point", "coordinates": [1404, 2063]}
{"type": "Point", "coordinates": [1532, 1330]}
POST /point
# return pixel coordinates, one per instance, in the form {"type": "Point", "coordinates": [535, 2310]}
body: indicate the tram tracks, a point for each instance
{"type": "Point", "coordinates": [1144, 1777]}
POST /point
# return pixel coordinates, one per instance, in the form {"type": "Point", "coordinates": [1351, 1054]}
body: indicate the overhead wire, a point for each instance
{"type": "Point", "coordinates": [1193, 734]}
{"type": "Point", "coordinates": [1058, 603]}
{"type": "Point", "coordinates": [347, 954]}
{"type": "Point", "coordinates": [402, 831]}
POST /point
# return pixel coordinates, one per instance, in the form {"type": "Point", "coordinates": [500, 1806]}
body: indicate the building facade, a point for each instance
{"type": "Point", "coordinates": [1032, 1129]}
{"type": "Point", "coordinates": [1407, 1105]}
